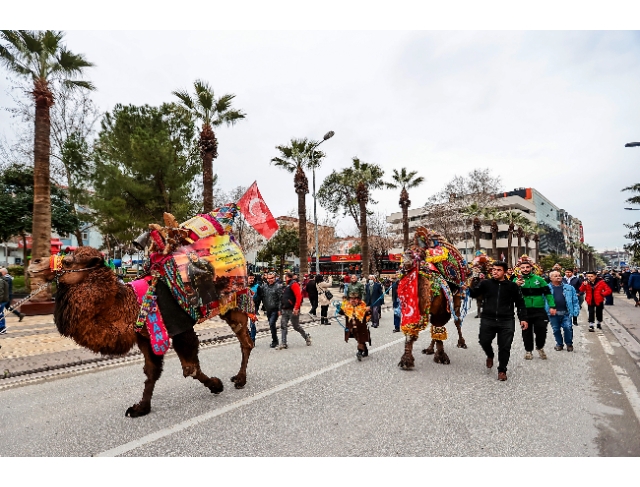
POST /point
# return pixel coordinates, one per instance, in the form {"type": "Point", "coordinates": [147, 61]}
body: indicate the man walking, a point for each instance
{"type": "Point", "coordinates": [566, 300]}
{"type": "Point", "coordinates": [624, 279]}
{"type": "Point", "coordinates": [374, 298]}
{"type": "Point", "coordinates": [499, 296]}
{"type": "Point", "coordinates": [397, 314]}
{"type": "Point", "coordinates": [537, 296]}
{"type": "Point", "coordinates": [270, 294]}
{"type": "Point", "coordinates": [595, 290]}
{"type": "Point", "coordinates": [4, 298]}
{"type": "Point", "coordinates": [290, 310]}
{"type": "Point", "coordinates": [312, 293]}
{"type": "Point", "coordinates": [634, 286]}
{"type": "Point", "coordinates": [575, 282]}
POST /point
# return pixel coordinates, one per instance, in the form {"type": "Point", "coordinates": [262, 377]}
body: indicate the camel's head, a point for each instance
{"type": "Point", "coordinates": [74, 269]}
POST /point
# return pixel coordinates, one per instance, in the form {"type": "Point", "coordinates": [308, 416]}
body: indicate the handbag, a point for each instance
{"type": "Point", "coordinates": [328, 294]}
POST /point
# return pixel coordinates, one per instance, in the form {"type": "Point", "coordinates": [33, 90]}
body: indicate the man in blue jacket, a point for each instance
{"type": "Point", "coordinates": [374, 297]}
{"type": "Point", "coordinates": [634, 285]}
{"type": "Point", "coordinates": [567, 306]}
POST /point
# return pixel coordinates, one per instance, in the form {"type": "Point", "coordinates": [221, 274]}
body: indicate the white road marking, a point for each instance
{"type": "Point", "coordinates": [628, 387]}
{"type": "Point", "coordinates": [119, 450]}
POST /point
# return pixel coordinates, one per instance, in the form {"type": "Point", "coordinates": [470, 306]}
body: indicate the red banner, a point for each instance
{"type": "Point", "coordinates": [408, 296]}
{"type": "Point", "coordinates": [257, 213]}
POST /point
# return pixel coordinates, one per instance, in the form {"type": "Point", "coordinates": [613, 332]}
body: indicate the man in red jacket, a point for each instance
{"type": "Point", "coordinates": [290, 310]}
{"type": "Point", "coordinates": [595, 290]}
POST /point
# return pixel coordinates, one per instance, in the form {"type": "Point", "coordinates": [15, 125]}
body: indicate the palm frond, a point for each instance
{"type": "Point", "coordinates": [204, 95]}
{"type": "Point", "coordinates": [49, 41]}
{"type": "Point", "coordinates": [229, 117]}
{"type": "Point", "coordinates": [284, 164]}
{"type": "Point", "coordinates": [185, 98]}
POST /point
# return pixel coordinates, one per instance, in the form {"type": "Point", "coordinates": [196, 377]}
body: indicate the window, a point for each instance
{"type": "Point", "coordinates": [85, 236]}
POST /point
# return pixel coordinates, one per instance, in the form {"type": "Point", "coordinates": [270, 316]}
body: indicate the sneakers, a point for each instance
{"type": "Point", "coordinates": [489, 363]}
{"type": "Point", "coordinates": [3, 331]}
{"type": "Point", "coordinates": [543, 355]}
{"type": "Point", "coordinates": [569, 348]}
{"type": "Point", "coordinates": [591, 327]}
{"type": "Point", "coordinates": [558, 348]}
{"type": "Point", "coordinates": [282, 347]}
{"type": "Point", "coordinates": [503, 375]}
{"type": "Point", "coordinates": [528, 356]}
{"type": "Point", "coordinates": [395, 331]}
{"type": "Point", "coordinates": [359, 355]}
{"type": "Point", "coordinates": [273, 344]}
{"type": "Point", "coordinates": [308, 340]}
{"type": "Point", "coordinates": [599, 326]}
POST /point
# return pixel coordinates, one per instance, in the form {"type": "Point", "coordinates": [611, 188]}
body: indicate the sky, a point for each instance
{"type": "Point", "coordinates": [550, 110]}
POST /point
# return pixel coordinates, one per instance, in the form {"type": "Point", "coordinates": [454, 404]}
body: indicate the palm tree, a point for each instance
{"type": "Point", "coordinates": [364, 177]}
{"type": "Point", "coordinates": [295, 158]}
{"type": "Point", "coordinates": [475, 212]}
{"type": "Point", "coordinates": [405, 180]}
{"type": "Point", "coordinates": [41, 57]}
{"type": "Point", "coordinates": [492, 215]}
{"type": "Point", "coordinates": [528, 230]}
{"type": "Point", "coordinates": [537, 231]}
{"type": "Point", "coordinates": [511, 218]}
{"type": "Point", "coordinates": [213, 113]}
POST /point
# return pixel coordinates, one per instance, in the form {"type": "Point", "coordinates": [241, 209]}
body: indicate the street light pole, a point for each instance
{"type": "Point", "coordinates": [327, 136]}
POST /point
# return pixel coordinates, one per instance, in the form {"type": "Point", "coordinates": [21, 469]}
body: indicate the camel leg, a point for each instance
{"type": "Point", "coordinates": [429, 349]}
{"type": "Point", "coordinates": [237, 320]}
{"type": "Point", "coordinates": [153, 370]}
{"type": "Point", "coordinates": [440, 357]}
{"type": "Point", "coordinates": [186, 346]}
{"type": "Point", "coordinates": [457, 303]}
{"type": "Point", "coordinates": [407, 361]}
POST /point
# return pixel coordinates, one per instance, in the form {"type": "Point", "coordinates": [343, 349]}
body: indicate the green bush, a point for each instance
{"type": "Point", "coordinates": [16, 270]}
{"type": "Point", "coordinates": [18, 284]}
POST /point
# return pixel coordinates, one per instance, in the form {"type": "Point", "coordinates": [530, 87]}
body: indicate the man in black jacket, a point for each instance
{"type": "Point", "coordinates": [499, 297]}
{"type": "Point", "coordinates": [312, 292]}
{"type": "Point", "coordinates": [270, 294]}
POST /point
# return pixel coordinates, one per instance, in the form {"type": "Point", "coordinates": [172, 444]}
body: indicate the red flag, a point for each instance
{"type": "Point", "coordinates": [257, 213]}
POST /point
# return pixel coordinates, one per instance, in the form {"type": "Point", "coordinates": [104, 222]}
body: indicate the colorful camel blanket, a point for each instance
{"type": "Point", "coordinates": [150, 315]}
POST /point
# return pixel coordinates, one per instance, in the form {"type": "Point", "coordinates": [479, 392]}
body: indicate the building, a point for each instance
{"type": "Point", "coordinates": [561, 230]}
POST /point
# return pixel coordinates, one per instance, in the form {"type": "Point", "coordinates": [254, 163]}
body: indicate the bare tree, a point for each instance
{"type": "Point", "coordinates": [381, 240]}
{"type": "Point", "coordinates": [444, 211]}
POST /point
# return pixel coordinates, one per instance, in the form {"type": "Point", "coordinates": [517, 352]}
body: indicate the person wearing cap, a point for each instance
{"type": "Point", "coordinates": [537, 297]}
{"type": "Point", "coordinates": [357, 314]}
{"type": "Point", "coordinates": [595, 290]}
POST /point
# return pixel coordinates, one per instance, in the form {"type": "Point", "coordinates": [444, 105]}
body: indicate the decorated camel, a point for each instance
{"type": "Point", "coordinates": [182, 287]}
{"type": "Point", "coordinates": [431, 288]}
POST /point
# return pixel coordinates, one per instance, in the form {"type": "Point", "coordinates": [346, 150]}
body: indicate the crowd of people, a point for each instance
{"type": "Point", "coordinates": [538, 300]}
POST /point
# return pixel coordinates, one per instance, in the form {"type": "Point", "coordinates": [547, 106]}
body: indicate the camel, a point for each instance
{"type": "Point", "coordinates": [99, 313]}
{"type": "Point", "coordinates": [433, 305]}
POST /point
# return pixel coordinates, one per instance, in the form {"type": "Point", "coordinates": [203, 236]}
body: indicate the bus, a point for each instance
{"type": "Point", "coordinates": [337, 266]}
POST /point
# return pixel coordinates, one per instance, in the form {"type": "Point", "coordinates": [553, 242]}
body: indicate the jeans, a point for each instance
{"type": "Point", "coordinates": [375, 315]}
{"type": "Point", "coordinates": [625, 288]}
{"type": "Point", "coordinates": [3, 323]}
{"type": "Point", "coordinates": [272, 316]}
{"type": "Point", "coordinates": [287, 315]}
{"type": "Point", "coordinates": [314, 305]}
{"type": "Point", "coordinates": [397, 318]}
{"type": "Point", "coordinates": [537, 321]}
{"type": "Point", "coordinates": [505, 331]}
{"type": "Point", "coordinates": [560, 324]}
{"type": "Point", "coordinates": [597, 310]}
{"type": "Point", "coordinates": [323, 315]}
{"type": "Point", "coordinates": [252, 330]}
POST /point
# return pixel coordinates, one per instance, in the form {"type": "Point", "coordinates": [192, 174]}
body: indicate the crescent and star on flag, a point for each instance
{"type": "Point", "coordinates": [256, 212]}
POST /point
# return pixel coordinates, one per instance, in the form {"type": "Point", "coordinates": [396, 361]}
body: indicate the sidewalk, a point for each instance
{"type": "Point", "coordinates": [626, 314]}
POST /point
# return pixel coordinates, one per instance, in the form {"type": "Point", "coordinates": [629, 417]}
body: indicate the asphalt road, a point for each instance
{"type": "Point", "coordinates": [319, 401]}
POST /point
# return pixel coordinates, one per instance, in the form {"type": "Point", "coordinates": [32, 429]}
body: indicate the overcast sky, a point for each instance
{"type": "Point", "coordinates": [549, 110]}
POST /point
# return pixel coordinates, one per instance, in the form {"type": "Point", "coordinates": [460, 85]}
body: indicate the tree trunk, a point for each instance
{"type": "Point", "coordinates": [476, 232]}
{"type": "Point", "coordinates": [519, 245]}
{"type": "Point", "coordinates": [208, 152]}
{"type": "Point", "coordinates": [404, 204]}
{"type": "Point", "coordinates": [364, 234]}
{"type": "Point", "coordinates": [302, 233]}
{"type": "Point", "coordinates": [509, 242]}
{"type": "Point", "coordinates": [41, 231]}
{"type": "Point", "coordinates": [526, 245]}
{"type": "Point", "coordinates": [494, 240]}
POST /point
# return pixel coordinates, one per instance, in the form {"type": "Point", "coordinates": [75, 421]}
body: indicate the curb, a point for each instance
{"type": "Point", "coordinates": [41, 374]}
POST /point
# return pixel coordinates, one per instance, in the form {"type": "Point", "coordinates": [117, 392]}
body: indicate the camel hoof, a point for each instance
{"type": "Point", "coordinates": [239, 381]}
{"type": "Point", "coordinates": [406, 363]}
{"type": "Point", "coordinates": [216, 386]}
{"type": "Point", "coordinates": [428, 351]}
{"type": "Point", "coordinates": [462, 345]}
{"type": "Point", "coordinates": [136, 411]}
{"type": "Point", "coordinates": [442, 359]}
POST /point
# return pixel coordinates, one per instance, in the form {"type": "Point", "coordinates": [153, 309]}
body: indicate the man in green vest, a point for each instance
{"type": "Point", "coordinates": [536, 293]}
